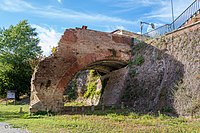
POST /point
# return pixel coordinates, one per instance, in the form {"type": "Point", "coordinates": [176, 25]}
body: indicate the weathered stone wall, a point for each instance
{"type": "Point", "coordinates": [76, 87]}
{"type": "Point", "coordinates": [115, 87]}
{"type": "Point", "coordinates": [168, 79]}
{"type": "Point", "coordinates": [77, 50]}
{"type": "Point", "coordinates": [184, 46]}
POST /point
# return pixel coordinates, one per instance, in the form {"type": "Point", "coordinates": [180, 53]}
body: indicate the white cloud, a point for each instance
{"type": "Point", "coordinates": [17, 6]}
{"type": "Point", "coordinates": [164, 11]}
{"type": "Point", "coordinates": [64, 14]}
{"type": "Point", "coordinates": [60, 1]}
{"type": "Point", "coordinates": [70, 14]}
{"type": "Point", "coordinates": [49, 38]}
{"type": "Point", "coordinates": [133, 4]}
{"type": "Point", "coordinates": [160, 9]}
{"type": "Point", "coordinates": [113, 28]}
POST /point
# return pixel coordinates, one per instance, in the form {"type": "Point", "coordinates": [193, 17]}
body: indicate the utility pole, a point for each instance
{"type": "Point", "coordinates": [172, 6]}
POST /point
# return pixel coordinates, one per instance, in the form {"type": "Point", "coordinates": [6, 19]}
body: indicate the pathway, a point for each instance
{"type": "Point", "coordinates": [6, 128]}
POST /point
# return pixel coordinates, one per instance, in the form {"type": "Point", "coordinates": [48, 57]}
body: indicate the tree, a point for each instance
{"type": "Point", "coordinates": [18, 46]}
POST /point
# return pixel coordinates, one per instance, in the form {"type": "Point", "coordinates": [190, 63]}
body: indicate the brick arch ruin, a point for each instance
{"type": "Point", "coordinates": [78, 49]}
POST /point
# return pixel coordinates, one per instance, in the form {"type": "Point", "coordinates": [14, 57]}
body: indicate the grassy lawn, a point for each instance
{"type": "Point", "coordinates": [108, 122]}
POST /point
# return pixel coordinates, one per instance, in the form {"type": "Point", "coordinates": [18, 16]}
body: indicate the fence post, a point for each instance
{"type": "Point", "coordinates": [92, 108]}
{"type": "Point", "coordinates": [113, 107]}
{"type": "Point", "coordinates": [73, 109]}
{"type": "Point", "coordinates": [122, 105]}
{"type": "Point", "coordinates": [20, 109]}
{"type": "Point", "coordinates": [83, 109]}
{"type": "Point", "coordinates": [102, 107]}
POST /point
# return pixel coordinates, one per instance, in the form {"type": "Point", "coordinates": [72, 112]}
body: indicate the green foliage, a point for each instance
{"type": "Point", "coordinates": [163, 116]}
{"type": "Point", "coordinates": [71, 91]}
{"type": "Point", "coordinates": [18, 45]}
{"type": "Point", "coordinates": [138, 60]}
{"type": "Point", "coordinates": [74, 103]}
{"type": "Point", "coordinates": [91, 85]}
{"type": "Point", "coordinates": [53, 50]}
{"type": "Point", "coordinates": [167, 109]}
{"type": "Point", "coordinates": [91, 88]}
{"type": "Point", "coordinates": [136, 48]}
{"type": "Point", "coordinates": [147, 117]}
{"type": "Point", "coordinates": [130, 63]}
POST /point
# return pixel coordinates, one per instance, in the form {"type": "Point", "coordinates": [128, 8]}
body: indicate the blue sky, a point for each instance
{"type": "Point", "coordinates": [52, 17]}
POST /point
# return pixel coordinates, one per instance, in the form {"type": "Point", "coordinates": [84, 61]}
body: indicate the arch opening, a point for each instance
{"type": "Point", "coordinates": [87, 86]}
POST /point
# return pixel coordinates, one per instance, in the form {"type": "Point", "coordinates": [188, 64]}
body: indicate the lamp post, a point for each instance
{"type": "Point", "coordinates": [141, 25]}
{"type": "Point", "coordinates": [172, 6]}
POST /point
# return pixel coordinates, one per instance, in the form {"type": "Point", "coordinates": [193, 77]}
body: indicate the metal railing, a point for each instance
{"type": "Point", "coordinates": [177, 23]}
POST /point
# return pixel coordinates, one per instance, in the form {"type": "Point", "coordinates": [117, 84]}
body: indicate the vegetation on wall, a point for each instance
{"type": "Point", "coordinates": [135, 48]}
{"type": "Point", "coordinates": [92, 84]}
{"type": "Point", "coordinates": [71, 91]}
{"type": "Point", "coordinates": [83, 88]}
{"type": "Point", "coordinates": [53, 50]}
{"type": "Point", "coordinates": [138, 60]}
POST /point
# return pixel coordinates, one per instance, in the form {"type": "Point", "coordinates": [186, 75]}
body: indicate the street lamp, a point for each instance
{"type": "Point", "coordinates": [141, 25]}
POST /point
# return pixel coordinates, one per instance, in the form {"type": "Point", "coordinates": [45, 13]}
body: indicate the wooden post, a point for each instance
{"type": "Point", "coordinates": [83, 109]}
{"type": "Point", "coordinates": [6, 101]}
{"type": "Point", "coordinates": [73, 109]}
{"type": "Point", "coordinates": [92, 108]}
{"type": "Point", "coordinates": [113, 106]}
{"type": "Point", "coordinates": [20, 109]}
{"type": "Point", "coordinates": [47, 111]}
{"type": "Point", "coordinates": [14, 101]}
{"type": "Point", "coordinates": [102, 107]}
{"type": "Point", "coordinates": [122, 105]}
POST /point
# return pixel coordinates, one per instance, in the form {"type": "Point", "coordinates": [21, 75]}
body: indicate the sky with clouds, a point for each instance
{"type": "Point", "coordinates": [52, 17]}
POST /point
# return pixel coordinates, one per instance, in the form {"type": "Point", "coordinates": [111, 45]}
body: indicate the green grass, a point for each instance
{"type": "Point", "coordinates": [107, 122]}
{"type": "Point", "coordinates": [74, 103]}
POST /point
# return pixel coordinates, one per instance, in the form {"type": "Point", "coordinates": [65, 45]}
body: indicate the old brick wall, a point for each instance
{"type": "Point", "coordinates": [78, 48]}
